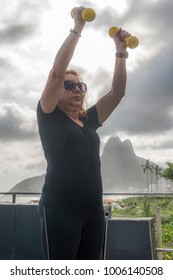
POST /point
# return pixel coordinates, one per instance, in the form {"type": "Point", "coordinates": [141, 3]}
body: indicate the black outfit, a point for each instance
{"type": "Point", "coordinates": [71, 209]}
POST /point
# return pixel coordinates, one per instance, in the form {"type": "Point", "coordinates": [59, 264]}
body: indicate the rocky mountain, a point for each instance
{"type": "Point", "coordinates": [120, 166]}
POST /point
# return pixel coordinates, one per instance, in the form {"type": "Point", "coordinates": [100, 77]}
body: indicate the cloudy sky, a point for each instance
{"type": "Point", "coordinates": [31, 31]}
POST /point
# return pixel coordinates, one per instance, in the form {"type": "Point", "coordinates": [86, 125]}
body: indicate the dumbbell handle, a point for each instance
{"type": "Point", "coordinates": [131, 41]}
{"type": "Point", "coordinates": [88, 14]}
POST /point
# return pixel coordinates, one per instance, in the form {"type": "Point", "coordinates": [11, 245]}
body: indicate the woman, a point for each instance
{"type": "Point", "coordinates": [71, 209]}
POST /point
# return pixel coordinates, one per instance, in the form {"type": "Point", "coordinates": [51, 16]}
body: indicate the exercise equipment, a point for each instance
{"type": "Point", "coordinates": [88, 14]}
{"type": "Point", "coordinates": [131, 41]}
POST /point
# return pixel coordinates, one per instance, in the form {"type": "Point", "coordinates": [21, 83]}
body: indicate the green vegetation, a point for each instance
{"type": "Point", "coordinates": [152, 169]}
{"type": "Point", "coordinates": [147, 167]}
{"type": "Point", "coordinates": [168, 172]}
{"type": "Point", "coordinates": [145, 206]}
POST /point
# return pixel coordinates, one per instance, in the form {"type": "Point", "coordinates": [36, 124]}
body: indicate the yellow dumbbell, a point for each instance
{"type": "Point", "coordinates": [88, 14]}
{"type": "Point", "coordinates": [132, 41]}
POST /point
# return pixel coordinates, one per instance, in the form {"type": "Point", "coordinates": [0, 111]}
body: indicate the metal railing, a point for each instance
{"type": "Point", "coordinates": [15, 194]}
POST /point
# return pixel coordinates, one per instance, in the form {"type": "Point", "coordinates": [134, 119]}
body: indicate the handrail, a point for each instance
{"type": "Point", "coordinates": [14, 194]}
{"type": "Point", "coordinates": [169, 250]}
{"type": "Point", "coordinates": [140, 193]}
{"type": "Point", "coordinates": [28, 193]}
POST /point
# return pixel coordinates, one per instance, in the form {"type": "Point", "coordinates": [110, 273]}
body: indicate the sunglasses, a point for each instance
{"type": "Point", "coordinates": [70, 85]}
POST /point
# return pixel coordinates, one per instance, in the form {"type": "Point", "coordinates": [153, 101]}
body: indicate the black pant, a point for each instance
{"type": "Point", "coordinates": [72, 234]}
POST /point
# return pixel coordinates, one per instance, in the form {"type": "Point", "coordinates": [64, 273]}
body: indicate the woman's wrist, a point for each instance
{"type": "Point", "coordinates": [74, 31]}
{"type": "Point", "coordinates": [77, 29]}
{"type": "Point", "coordinates": [122, 54]}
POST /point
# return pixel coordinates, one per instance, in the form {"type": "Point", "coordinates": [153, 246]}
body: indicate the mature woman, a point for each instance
{"type": "Point", "coordinates": [71, 209]}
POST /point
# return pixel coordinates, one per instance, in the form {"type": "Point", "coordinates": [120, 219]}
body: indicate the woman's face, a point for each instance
{"type": "Point", "coordinates": [72, 96]}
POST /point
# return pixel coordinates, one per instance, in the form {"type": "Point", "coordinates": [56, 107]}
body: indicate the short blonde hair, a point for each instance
{"type": "Point", "coordinates": [83, 109]}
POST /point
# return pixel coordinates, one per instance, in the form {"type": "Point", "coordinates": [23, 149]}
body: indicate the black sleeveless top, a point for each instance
{"type": "Point", "coordinates": [73, 179]}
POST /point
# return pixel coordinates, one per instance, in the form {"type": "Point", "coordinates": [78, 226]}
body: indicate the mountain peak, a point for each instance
{"type": "Point", "coordinates": [120, 167]}
{"type": "Point", "coordinates": [111, 144]}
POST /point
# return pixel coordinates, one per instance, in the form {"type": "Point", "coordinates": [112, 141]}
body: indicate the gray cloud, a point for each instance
{"type": "Point", "coordinates": [147, 105]}
{"type": "Point", "coordinates": [150, 19]}
{"type": "Point", "coordinates": [4, 63]}
{"type": "Point", "coordinates": [156, 14]}
{"type": "Point", "coordinates": [165, 145]}
{"type": "Point", "coordinates": [148, 102]}
{"type": "Point", "coordinates": [16, 123]}
{"type": "Point", "coordinates": [21, 22]}
{"type": "Point", "coordinates": [15, 33]}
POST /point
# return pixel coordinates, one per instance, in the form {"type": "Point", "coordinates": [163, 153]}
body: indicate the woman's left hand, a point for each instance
{"type": "Point", "coordinates": [119, 40]}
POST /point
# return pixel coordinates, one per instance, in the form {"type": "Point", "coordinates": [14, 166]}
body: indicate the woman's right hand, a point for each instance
{"type": "Point", "coordinates": [77, 16]}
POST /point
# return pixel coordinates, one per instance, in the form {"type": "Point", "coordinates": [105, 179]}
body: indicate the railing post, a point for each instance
{"type": "Point", "coordinates": [159, 233]}
{"type": "Point", "coordinates": [13, 198]}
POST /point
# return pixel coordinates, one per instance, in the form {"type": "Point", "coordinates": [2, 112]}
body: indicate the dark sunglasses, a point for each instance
{"type": "Point", "coordinates": [70, 85]}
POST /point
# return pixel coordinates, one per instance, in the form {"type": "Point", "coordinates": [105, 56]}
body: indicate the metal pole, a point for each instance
{"type": "Point", "coordinates": [159, 233]}
{"type": "Point", "coordinates": [13, 198]}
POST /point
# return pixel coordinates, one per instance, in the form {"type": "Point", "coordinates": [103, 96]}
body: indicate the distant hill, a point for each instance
{"type": "Point", "coordinates": [29, 185]}
{"type": "Point", "coordinates": [33, 185]}
{"type": "Point", "coordinates": [121, 170]}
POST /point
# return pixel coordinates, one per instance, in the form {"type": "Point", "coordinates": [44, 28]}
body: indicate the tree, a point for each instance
{"type": "Point", "coordinates": [146, 168]}
{"type": "Point", "coordinates": [158, 172]}
{"type": "Point", "coordinates": [168, 172]}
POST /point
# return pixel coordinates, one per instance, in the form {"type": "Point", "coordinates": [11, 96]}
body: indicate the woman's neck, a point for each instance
{"type": "Point", "coordinates": [70, 111]}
